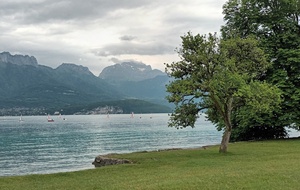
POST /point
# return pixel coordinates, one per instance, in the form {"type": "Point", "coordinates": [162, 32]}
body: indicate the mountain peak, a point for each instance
{"type": "Point", "coordinates": [74, 68]}
{"type": "Point", "coordinates": [129, 71]}
{"type": "Point", "coordinates": [6, 57]}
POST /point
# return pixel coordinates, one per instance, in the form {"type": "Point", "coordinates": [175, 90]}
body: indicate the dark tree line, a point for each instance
{"type": "Point", "coordinates": [276, 24]}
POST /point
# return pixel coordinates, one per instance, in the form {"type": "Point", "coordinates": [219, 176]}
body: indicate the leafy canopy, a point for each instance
{"type": "Point", "coordinates": [276, 23]}
{"type": "Point", "coordinates": [218, 77]}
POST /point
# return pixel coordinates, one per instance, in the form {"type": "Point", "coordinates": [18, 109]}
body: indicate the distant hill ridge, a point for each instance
{"type": "Point", "coordinates": [71, 67]}
{"type": "Point", "coordinates": [25, 83]}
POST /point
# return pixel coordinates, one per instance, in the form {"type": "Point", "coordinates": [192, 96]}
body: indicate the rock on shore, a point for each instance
{"type": "Point", "coordinates": [105, 161]}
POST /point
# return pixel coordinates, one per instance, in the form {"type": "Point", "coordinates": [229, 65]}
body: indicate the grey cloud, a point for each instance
{"type": "Point", "coordinates": [185, 24]}
{"type": "Point", "coordinates": [208, 22]}
{"type": "Point", "coordinates": [127, 38]}
{"type": "Point", "coordinates": [134, 49]}
{"type": "Point", "coordinates": [63, 10]}
{"type": "Point", "coordinates": [58, 31]}
{"type": "Point", "coordinates": [116, 60]}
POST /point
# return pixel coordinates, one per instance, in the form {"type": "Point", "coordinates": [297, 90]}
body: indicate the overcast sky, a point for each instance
{"type": "Point", "coordinates": [99, 33]}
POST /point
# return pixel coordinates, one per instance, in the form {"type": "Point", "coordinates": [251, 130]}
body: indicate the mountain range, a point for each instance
{"type": "Point", "coordinates": [27, 87]}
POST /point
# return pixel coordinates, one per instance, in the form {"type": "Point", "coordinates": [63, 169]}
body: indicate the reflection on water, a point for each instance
{"type": "Point", "coordinates": [37, 146]}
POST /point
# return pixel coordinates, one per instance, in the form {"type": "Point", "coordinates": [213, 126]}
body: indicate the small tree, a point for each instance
{"type": "Point", "coordinates": [218, 77]}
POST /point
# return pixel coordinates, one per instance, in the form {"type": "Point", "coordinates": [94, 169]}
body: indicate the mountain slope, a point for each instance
{"type": "Point", "coordinates": [119, 106]}
{"type": "Point", "coordinates": [40, 86]}
{"type": "Point", "coordinates": [37, 89]}
{"type": "Point", "coordinates": [138, 80]}
{"type": "Point", "coordinates": [149, 89]}
{"type": "Point", "coordinates": [81, 79]}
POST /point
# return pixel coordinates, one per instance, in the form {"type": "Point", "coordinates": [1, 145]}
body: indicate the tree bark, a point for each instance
{"type": "Point", "coordinates": [227, 119]}
{"type": "Point", "coordinates": [225, 141]}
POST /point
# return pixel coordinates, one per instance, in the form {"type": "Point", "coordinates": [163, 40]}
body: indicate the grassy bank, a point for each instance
{"type": "Point", "coordinates": [248, 165]}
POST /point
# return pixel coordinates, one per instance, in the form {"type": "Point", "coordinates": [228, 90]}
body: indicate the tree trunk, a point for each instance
{"type": "Point", "coordinates": [225, 141]}
{"type": "Point", "coordinates": [227, 116]}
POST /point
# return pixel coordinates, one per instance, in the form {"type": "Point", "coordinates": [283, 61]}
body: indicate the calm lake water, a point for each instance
{"type": "Point", "coordinates": [36, 146]}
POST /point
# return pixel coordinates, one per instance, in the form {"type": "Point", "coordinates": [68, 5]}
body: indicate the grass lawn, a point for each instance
{"type": "Point", "coordinates": [247, 165]}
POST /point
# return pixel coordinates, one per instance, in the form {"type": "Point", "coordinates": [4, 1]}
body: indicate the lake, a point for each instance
{"type": "Point", "coordinates": [70, 143]}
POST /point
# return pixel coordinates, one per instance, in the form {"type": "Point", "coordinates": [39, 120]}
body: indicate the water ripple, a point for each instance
{"type": "Point", "coordinates": [38, 147]}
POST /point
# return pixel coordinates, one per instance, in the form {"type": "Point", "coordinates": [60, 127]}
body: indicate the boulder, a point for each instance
{"type": "Point", "coordinates": [105, 161]}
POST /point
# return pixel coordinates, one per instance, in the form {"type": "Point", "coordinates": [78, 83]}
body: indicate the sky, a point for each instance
{"type": "Point", "coordinates": [99, 33]}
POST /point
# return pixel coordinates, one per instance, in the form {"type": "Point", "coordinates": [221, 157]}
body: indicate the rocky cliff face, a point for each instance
{"type": "Point", "coordinates": [129, 71]}
{"type": "Point", "coordinates": [6, 57]}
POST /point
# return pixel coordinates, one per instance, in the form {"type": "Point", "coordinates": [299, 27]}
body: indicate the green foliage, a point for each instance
{"type": "Point", "coordinates": [260, 132]}
{"type": "Point", "coordinates": [213, 73]}
{"type": "Point", "coordinates": [220, 76]}
{"type": "Point", "coordinates": [255, 165]}
{"type": "Point", "coordinates": [276, 24]}
{"type": "Point", "coordinates": [259, 96]}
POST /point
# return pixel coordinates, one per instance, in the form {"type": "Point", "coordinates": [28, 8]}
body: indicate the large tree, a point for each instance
{"type": "Point", "coordinates": [220, 78]}
{"type": "Point", "coordinates": [276, 24]}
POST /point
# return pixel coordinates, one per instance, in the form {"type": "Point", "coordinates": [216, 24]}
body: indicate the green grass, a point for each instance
{"type": "Point", "coordinates": [247, 165]}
